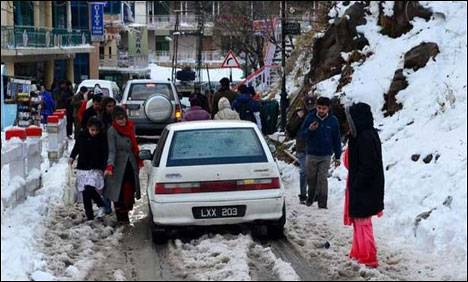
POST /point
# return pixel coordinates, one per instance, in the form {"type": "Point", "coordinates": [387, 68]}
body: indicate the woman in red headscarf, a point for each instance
{"type": "Point", "coordinates": [123, 165]}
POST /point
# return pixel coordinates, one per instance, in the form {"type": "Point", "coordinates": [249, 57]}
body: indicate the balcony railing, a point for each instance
{"type": "Point", "coordinates": [123, 60]}
{"type": "Point", "coordinates": [185, 21]}
{"type": "Point", "coordinates": [41, 37]}
{"type": "Point", "coordinates": [186, 57]}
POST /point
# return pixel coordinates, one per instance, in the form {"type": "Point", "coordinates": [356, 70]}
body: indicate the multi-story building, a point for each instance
{"type": "Point", "coordinates": [123, 54]}
{"type": "Point", "coordinates": [168, 19]}
{"type": "Point", "coordinates": [47, 40]}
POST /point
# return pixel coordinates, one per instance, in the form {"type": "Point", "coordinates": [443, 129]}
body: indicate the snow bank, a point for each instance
{"type": "Point", "coordinates": [24, 225]}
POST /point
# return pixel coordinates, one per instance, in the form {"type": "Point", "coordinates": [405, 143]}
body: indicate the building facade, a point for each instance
{"type": "Point", "coordinates": [47, 41]}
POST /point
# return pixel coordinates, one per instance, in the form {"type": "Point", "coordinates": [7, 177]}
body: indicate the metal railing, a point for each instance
{"type": "Point", "coordinates": [168, 21]}
{"type": "Point", "coordinates": [41, 37]}
{"type": "Point", "coordinates": [123, 60]}
{"type": "Point", "coordinates": [186, 57]}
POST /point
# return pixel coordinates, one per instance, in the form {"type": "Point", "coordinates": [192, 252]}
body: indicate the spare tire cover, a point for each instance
{"type": "Point", "coordinates": [158, 108]}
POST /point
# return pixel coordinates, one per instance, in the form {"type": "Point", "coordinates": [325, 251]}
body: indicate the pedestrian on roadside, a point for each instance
{"type": "Point", "coordinates": [76, 102]}
{"type": "Point", "coordinates": [123, 165]}
{"type": "Point", "coordinates": [63, 96]}
{"type": "Point", "coordinates": [224, 91]}
{"type": "Point", "coordinates": [247, 108]}
{"type": "Point", "coordinates": [196, 112]}
{"type": "Point", "coordinates": [321, 131]}
{"type": "Point", "coordinates": [108, 105]}
{"type": "Point", "coordinates": [48, 104]}
{"type": "Point", "coordinates": [364, 195]}
{"type": "Point", "coordinates": [225, 112]}
{"type": "Point", "coordinates": [292, 129]}
{"type": "Point", "coordinates": [91, 149]}
{"type": "Point", "coordinates": [95, 111]}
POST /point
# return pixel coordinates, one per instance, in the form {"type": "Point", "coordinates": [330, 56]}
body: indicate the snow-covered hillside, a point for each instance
{"type": "Point", "coordinates": [425, 143]}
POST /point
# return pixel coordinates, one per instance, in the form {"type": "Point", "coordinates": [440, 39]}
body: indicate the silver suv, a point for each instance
{"type": "Point", "coordinates": [151, 105]}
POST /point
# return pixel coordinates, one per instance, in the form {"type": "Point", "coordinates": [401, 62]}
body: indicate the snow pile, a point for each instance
{"type": "Point", "coordinates": [216, 258]}
{"type": "Point", "coordinates": [424, 144]}
{"type": "Point", "coordinates": [74, 246]}
{"type": "Point", "coordinates": [229, 258]}
{"type": "Point", "coordinates": [24, 225]}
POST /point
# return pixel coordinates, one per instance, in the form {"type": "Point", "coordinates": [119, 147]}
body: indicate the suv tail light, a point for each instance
{"type": "Point", "coordinates": [217, 186]}
{"type": "Point", "coordinates": [178, 113]}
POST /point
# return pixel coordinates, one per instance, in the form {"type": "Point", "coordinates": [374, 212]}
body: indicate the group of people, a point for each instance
{"type": "Point", "coordinates": [226, 104]}
{"type": "Point", "coordinates": [318, 141]}
{"type": "Point", "coordinates": [107, 151]}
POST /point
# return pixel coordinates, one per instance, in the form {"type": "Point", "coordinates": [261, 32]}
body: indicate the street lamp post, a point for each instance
{"type": "Point", "coordinates": [284, 95]}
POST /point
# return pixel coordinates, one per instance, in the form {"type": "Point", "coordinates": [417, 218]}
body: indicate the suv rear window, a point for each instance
{"type": "Point", "coordinates": [142, 91]}
{"type": "Point", "coordinates": [215, 146]}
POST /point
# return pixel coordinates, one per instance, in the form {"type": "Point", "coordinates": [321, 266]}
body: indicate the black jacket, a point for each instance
{"type": "Point", "coordinates": [89, 113]}
{"type": "Point", "coordinates": [366, 174]}
{"type": "Point", "coordinates": [91, 151]}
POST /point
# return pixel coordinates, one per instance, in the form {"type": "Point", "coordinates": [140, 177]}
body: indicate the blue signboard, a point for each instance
{"type": "Point", "coordinates": [97, 21]}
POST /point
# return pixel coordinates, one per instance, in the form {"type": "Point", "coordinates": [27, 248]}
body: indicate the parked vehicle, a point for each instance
{"type": "Point", "coordinates": [214, 173]}
{"type": "Point", "coordinates": [152, 105]}
{"type": "Point", "coordinates": [108, 88]}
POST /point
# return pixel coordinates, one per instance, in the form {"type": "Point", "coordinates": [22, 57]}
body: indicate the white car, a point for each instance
{"type": "Point", "coordinates": [214, 173]}
{"type": "Point", "coordinates": [109, 88]}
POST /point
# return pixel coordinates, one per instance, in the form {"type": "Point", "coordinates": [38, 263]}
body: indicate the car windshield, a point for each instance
{"type": "Point", "coordinates": [142, 91]}
{"type": "Point", "coordinates": [215, 146]}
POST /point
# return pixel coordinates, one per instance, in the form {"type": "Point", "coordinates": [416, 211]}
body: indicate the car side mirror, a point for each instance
{"type": "Point", "coordinates": [145, 155]}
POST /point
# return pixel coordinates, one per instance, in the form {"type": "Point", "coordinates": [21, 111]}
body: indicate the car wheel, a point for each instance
{"type": "Point", "coordinates": [159, 235]}
{"type": "Point", "coordinates": [276, 229]}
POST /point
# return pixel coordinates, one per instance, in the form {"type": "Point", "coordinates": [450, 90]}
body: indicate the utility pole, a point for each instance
{"type": "Point", "coordinates": [201, 23]}
{"type": "Point", "coordinates": [175, 46]}
{"type": "Point", "coordinates": [284, 95]}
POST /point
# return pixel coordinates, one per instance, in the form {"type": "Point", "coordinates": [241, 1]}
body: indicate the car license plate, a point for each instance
{"type": "Point", "coordinates": [135, 113]}
{"type": "Point", "coordinates": [218, 212]}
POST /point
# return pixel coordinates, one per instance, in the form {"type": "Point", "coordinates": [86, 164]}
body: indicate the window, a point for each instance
{"type": "Point", "coordinates": [215, 146]}
{"type": "Point", "coordinates": [112, 7]}
{"type": "Point", "coordinates": [23, 12]}
{"type": "Point", "coordinates": [60, 69]}
{"type": "Point", "coordinates": [162, 44]}
{"type": "Point", "coordinates": [110, 53]}
{"type": "Point", "coordinates": [80, 15]}
{"type": "Point", "coordinates": [160, 148]}
{"type": "Point", "coordinates": [101, 52]}
{"type": "Point", "coordinates": [143, 91]}
{"type": "Point", "coordinates": [81, 67]}
{"type": "Point", "coordinates": [162, 7]}
{"type": "Point", "coordinates": [59, 10]}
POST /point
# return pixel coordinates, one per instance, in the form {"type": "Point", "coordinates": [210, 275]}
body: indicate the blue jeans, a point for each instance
{"type": "Point", "coordinates": [107, 205]}
{"type": "Point", "coordinates": [301, 156]}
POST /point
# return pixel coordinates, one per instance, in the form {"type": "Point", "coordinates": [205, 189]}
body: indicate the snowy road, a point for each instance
{"type": "Point", "coordinates": [315, 247]}
{"type": "Point", "coordinates": [198, 256]}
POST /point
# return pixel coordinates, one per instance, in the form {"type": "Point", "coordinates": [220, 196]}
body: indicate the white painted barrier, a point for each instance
{"type": "Point", "coordinates": [57, 135]}
{"type": "Point", "coordinates": [21, 165]}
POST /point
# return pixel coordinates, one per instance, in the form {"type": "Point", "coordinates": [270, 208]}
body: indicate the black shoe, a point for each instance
{"type": "Point", "coordinates": [302, 202]}
{"type": "Point", "coordinates": [323, 207]}
{"type": "Point", "coordinates": [309, 203]}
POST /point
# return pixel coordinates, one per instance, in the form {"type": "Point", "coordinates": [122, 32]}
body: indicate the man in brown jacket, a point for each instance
{"type": "Point", "coordinates": [224, 91]}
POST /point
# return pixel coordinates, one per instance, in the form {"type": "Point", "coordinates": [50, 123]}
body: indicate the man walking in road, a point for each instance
{"type": "Point", "coordinates": [321, 131]}
{"type": "Point", "coordinates": [224, 91]}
